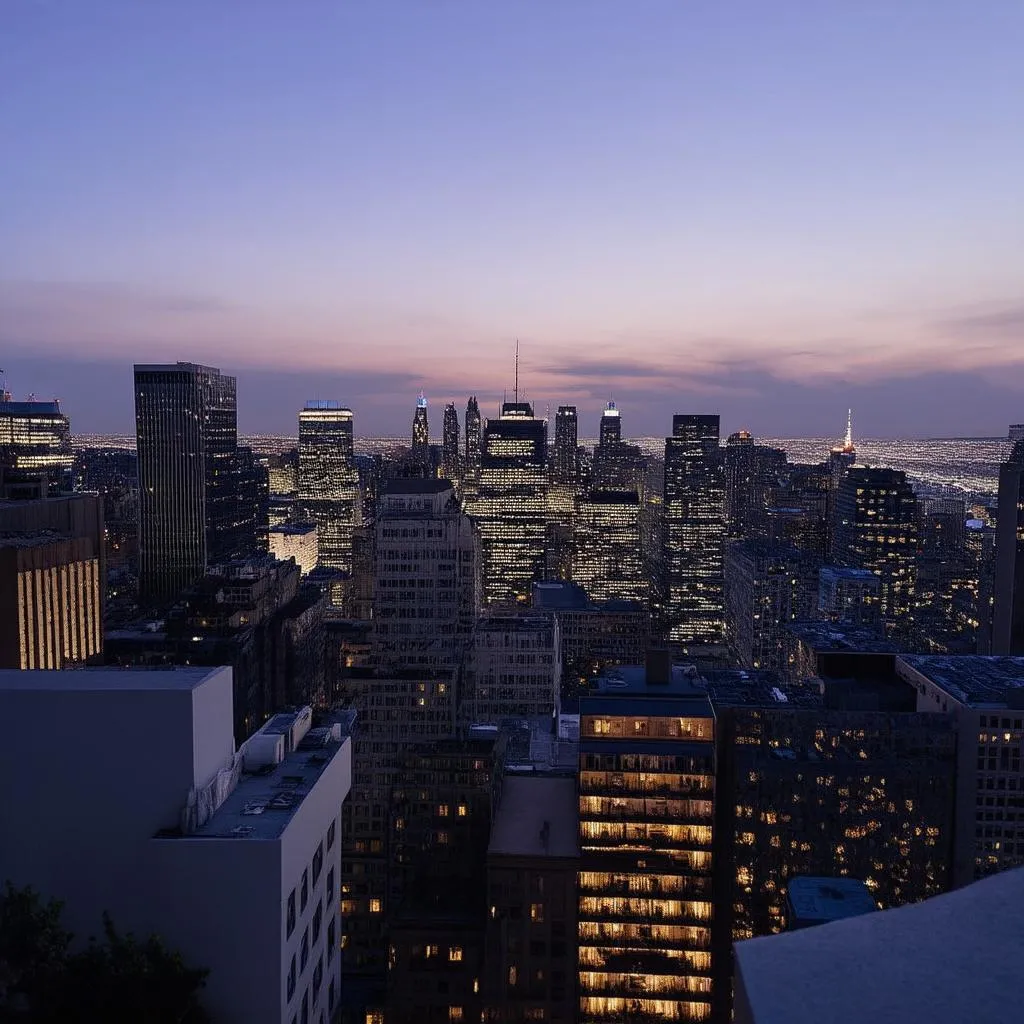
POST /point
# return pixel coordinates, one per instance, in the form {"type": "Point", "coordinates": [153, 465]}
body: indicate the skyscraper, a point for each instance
{"type": "Point", "coordinates": [617, 466]}
{"type": "Point", "coordinates": [1008, 608]}
{"type": "Point", "coordinates": [510, 506]}
{"type": "Point", "coordinates": [693, 532]}
{"type": "Point", "coordinates": [767, 586]}
{"type": "Point", "coordinates": [421, 433]}
{"type": "Point", "coordinates": [607, 560]}
{"type": "Point", "coordinates": [35, 440]}
{"type": "Point", "coordinates": [646, 788]}
{"type": "Point", "coordinates": [611, 426]}
{"type": "Point", "coordinates": [750, 472]}
{"type": "Point", "coordinates": [566, 467]}
{"type": "Point", "coordinates": [328, 481]}
{"type": "Point", "coordinates": [876, 529]}
{"type": "Point", "coordinates": [51, 581]}
{"type": "Point", "coordinates": [189, 509]}
{"type": "Point", "coordinates": [474, 441]}
{"type": "Point", "coordinates": [450, 465]}
{"type": "Point", "coordinates": [426, 578]}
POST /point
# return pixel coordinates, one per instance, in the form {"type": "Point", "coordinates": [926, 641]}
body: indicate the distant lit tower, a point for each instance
{"type": "Point", "coordinates": [421, 433]}
{"type": "Point", "coordinates": [450, 444]}
{"type": "Point", "coordinates": [186, 427]}
{"type": "Point", "coordinates": [611, 426]}
{"type": "Point", "coordinates": [510, 506]}
{"type": "Point", "coordinates": [693, 532]}
{"type": "Point", "coordinates": [566, 467]}
{"type": "Point", "coordinates": [474, 441]}
{"type": "Point", "coordinates": [876, 528]}
{"type": "Point", "coordinates": [840, 459]}
{"type": "Point", "coordinates": [35, 441]}
{"type": "Point", "coordinates": [328, 479]}
{"type": "Point", "coordinates": [617, 466]}
{"type": "Point", "coordinates": [1008, 610]}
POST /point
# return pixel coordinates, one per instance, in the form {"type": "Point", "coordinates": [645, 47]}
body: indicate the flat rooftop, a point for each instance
{"type": "Point", "coordinates": [847, 572]}
{"type": "Point", "coordinates": [520, 623]}
{"type": "Point", "coordinates": [950, 959]}
{"type": "Point", "coordinates": [629, 684]}
{"type": "Point", "coordinates": [538, 817]}
{"type": "Point", "coordinates": [737, 687]}
{"type": "Point", "coordinates": [631, 681]}
{"type": "Point", "coordinates": [556, 596]}
{"type": "Point", "coordinates": [828, 899]}
{"type": "Point", "coordinates": [972, 679]}
{"type": "Point", "coordinates": [832, 636]}
{"type": "Point", "coordinates": [91, 680]}
{"type": "Point", "coordinates": [32, 540]}
{"type": "Point", "coordinates": [264, 802]}
{"type": "Point", "coordinates": [416, 486]}
{"type": "Point", "coordinates": [294, 529]}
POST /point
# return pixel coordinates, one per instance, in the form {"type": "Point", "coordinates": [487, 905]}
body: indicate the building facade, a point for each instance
{"type": "Point", "coordinates": [607, 560]}
{"type": "Point", "coordinates": [530, 966]}
{"type": "Point", "coordinates": [297, 541]}
{"type": "Point", "coordinates": [986, 697]}
{"type": "Point", "coordinates": [421, 435]}
{"type": "Point", "coordinates": [1008, 605]}
{"type": "Point", "coordinates": [52, 582]}
{"type": "Point", "coordinates": [565, 469]}
{"type": "Point", "coordinates": [35, 442]}
{"type": "Point", "coordinates": [510, 505]}
{"type": "Point", "coordinates": [474, 442]}
{"type": "Point", "coordinates": [190, 508]}
{"type": "Point", "coordinates": [847, 594]}
{"type": "Point", "coordinates": [876, 528]}
{"type": "Point", "coordinates": [767, 586]}
{"type": "Point", "coordinates": [693, 532]}
{"type": "Point", "coordinates": [646, 792]}
{"type": "Point", "coordinates": [813, 784]}
{"type": "Point", "coordinates": [451, 464]}
{"type": "Point", "coordinates": [328, 481]}
{"type": "Point", "coordinates": [231, 855]}
{"type": "Point", "coordinates": [514, 669]}
{"type": "Point", "coordinates": [426, 580]}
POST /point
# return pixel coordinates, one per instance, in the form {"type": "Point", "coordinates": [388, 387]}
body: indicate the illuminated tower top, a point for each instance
{"type": "Point", "coordinates": [420, 429]}
{"type": "Point", "coordinates": [848, 439]}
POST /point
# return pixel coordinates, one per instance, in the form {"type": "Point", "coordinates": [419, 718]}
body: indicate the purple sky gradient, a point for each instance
{"type": "Point", "coordinates": [771, 210]}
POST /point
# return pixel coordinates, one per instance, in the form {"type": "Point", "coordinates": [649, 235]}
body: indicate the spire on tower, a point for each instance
{"type": "Point", "coordinates": [848, 440]}
{"type": "Point", "coordinates": [517, 370]}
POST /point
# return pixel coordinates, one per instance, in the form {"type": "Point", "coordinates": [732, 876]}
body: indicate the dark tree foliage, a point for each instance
{"type": "Point", "coordinates": [117, 979]}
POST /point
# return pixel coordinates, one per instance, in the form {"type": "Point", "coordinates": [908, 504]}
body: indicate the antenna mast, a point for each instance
{"type": "Point", "coordinates": [517, 371]}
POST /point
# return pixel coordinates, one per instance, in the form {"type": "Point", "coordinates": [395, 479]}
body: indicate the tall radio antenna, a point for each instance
{"type": "Point", "coordinates": [517, 371]}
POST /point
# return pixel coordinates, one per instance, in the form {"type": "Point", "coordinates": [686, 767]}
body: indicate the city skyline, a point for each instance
{"type": "Point", "coordinates": [771, 214]}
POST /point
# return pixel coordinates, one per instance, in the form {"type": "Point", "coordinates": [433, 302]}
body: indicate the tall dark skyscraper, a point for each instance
{"type": "Point", "coordinates": [876, 529]}
{"type": "Point", "coordinates": [510, 506]}
{"type": "Point", "coordinates": [35, 440]}
{"type": "Point", "coordinates": [421, 433]}
{"type": "Point", "coordinates": [1008, 609]}
{"type": "Point", "coordinates": [328, 480]}
{"type": "Point", "coordinates": [611, 426]}
{"type": "Point", "coordinates": [474, 441]}
{"type": "Point", "coordinates": [190, 511]}
{"type": "Point", "coordinates": [566, 467]}
{"type": "Point", "coordinates": [450, 444]}
{"type": "Point", "coordinates": [751, 470]}
{"type": "Point", "coordinates": [693, 532]}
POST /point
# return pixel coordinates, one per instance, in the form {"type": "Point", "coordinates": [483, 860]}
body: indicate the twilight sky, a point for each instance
{"type": "Point", "coordinates": [771, 210]}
